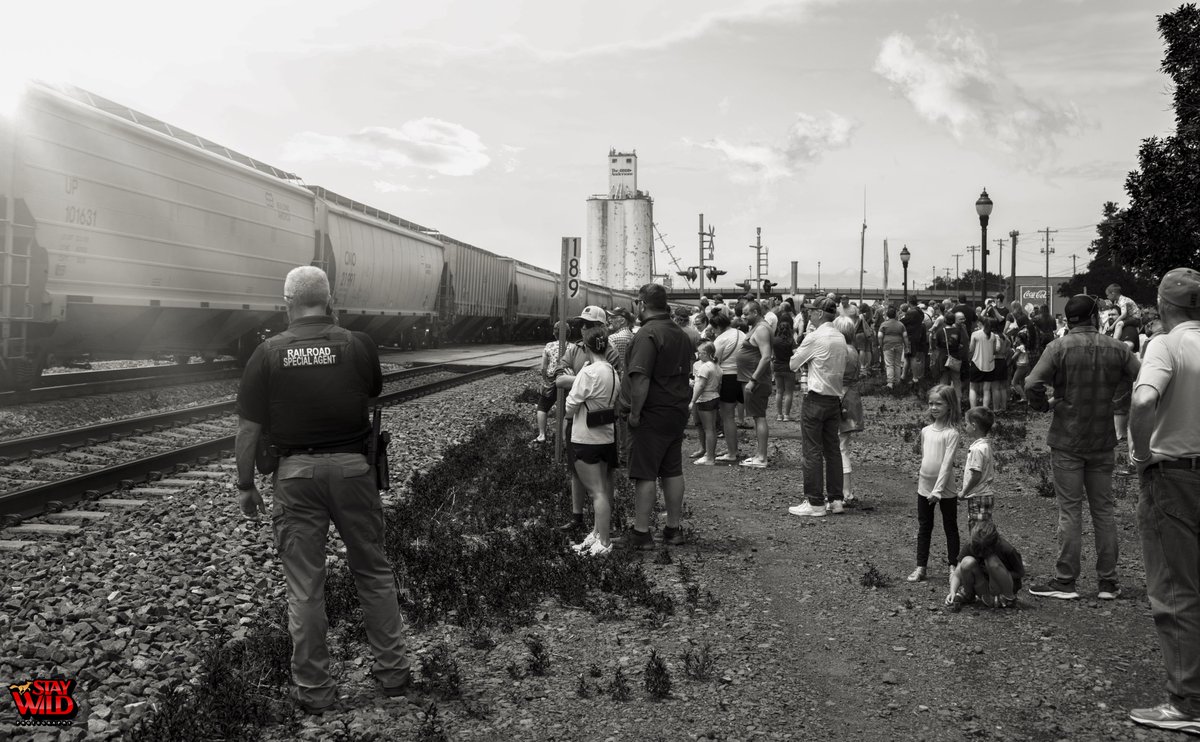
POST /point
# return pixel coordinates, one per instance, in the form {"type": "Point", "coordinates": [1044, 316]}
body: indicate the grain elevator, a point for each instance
{"type": "Point", "coordinates": [619, 242]}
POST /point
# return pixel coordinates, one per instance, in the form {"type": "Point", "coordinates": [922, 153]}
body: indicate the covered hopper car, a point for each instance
{"type": "Point", "coordinates": [126, 237]}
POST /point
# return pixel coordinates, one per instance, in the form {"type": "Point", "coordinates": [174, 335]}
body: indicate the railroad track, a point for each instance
{"type": "Point", "coordinates": [65, 386]}
{"type": "Point", "coordinates": [49, 472]}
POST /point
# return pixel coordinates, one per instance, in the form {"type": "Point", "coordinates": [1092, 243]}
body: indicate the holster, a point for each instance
{"type": "Point", "coordinates": [266, 456]}
{"type": "Point", "coordinates": [377, 451]}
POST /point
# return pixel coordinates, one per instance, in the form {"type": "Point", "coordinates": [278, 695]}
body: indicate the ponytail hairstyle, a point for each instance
{"type": "Point", "coordinates": [985, 324]}
{"type": "Point", "coordinates": [708, 348]}
{"type": "Point", "coordinates": [595, 339]}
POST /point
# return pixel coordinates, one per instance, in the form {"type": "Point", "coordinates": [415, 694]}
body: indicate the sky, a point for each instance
{"type": "Point", "coordinates": [491, 120]}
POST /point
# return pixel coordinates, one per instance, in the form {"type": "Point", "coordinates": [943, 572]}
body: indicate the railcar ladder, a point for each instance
{"type": "Point", "coordinates": [16, 241]}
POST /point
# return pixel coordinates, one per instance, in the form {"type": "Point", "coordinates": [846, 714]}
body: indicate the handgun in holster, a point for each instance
{"type": "Point", "coordinates": [377, 451]}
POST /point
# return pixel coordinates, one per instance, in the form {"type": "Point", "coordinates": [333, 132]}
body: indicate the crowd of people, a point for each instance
{"type": "Point", "coordinates": [1119, 398]}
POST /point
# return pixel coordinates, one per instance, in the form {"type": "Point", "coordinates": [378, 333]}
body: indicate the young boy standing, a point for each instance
{"type": "Point", "coordinates": [980, 471]}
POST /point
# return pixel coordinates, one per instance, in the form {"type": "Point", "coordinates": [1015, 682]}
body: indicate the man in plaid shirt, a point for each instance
{"type": "Point", "coordinates": [1085, 369]}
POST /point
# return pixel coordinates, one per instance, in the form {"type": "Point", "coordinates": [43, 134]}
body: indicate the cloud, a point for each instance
{"type": "Point", "coordinates": [428, 143]}
{"type": "Point", "coordinates": [952, 80]}
{"type": "Point", "coordinates": [510, 157]}
{"type": "Point", "coordinates": [807, 140]}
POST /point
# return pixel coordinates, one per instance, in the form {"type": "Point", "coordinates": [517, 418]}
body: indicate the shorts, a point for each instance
{"type": "Point", "coordinates": [1000, 372]}
{"type": "Point", "coordinates": [547, 398]}
{"type": "Point", "coordinates": [1122, 397]}
{"type": "Point", "coordinates": [756, 400]}
{"type": "Point", "coordinates": [597, 453]}
{"type": "Point", "coordinates": [711, 405]}
{"type": "Point", "coordinates": [731, 389]}
{"type": "Point", "coordinates": [657, 449]}
{"type": "Point", "coordinates": [976, 376]}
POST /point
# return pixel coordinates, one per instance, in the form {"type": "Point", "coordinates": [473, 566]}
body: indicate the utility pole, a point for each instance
{"type": "Point", "coordinates": [1013, 270]}
{"type": "Point", "coordinates": [862, 249]}
{"type": "Point", "coordinates": [957, 272]}
{"type": "Point", "coordinates": [758, 262]}
{"type": "Point", "coordinates": [818, 275]}
{"type": "Point", "coordinates": [1000, 262]}
{"type": "Point", "coordinates": [972, 249]}
{"type": "Point", "coordinates": [1047, 251]}
{"type": "Point", "coordinates": [1073, 257]}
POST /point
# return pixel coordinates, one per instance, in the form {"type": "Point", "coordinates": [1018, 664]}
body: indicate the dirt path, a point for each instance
{"type": "Point", "coordinates": [867, 663]}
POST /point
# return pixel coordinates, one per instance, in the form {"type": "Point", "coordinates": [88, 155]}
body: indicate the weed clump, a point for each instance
{"type": "Point", "coordinates": [619, 689]}
{"type": "Point", "coordinates": [431, 729]}
{"type": "Point", "coordinates": [699, 665]}
{"type": "Point", "coordinates": [242, 690]}
{"type": "Point", "coordinates": [441, 673]}
{"type": "Point", "coordinates": [873, 578]}
{"type": "Point", "coordinates": [656, 677]}
{"type": "Point", "coordinates": [538, 662]}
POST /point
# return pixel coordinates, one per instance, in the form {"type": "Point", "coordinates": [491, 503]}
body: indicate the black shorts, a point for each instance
{"type": "Point", "coordinates": [731, 389]}
{"type": "Point", "coordinates": [976, 376]}
{"type": "Point", "coordinates": [711, 405]}
{"type": "Point", "coordinates": [1000, 372]}
{"type": "Point", "coordinates": [547, 399]}
{"type": "Point", "coordinates": [597, 453]}
{"type": "Point", "coordinates": [657, 449]}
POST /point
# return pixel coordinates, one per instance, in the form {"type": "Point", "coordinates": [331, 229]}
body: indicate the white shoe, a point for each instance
{"type": "Point", "coordinates": [754, 463]}
{"type": "Point", "coordinates": [835, 507]}
{"type": "Point", "coordinates": [805, 508]}
{"type": "Point", "coordinates": [704, 461]}
{"type": "Point", "coordinates": [918, 575]}
{"type": "Point", "coordinates": [599, 549]}
{"type": "Point", "coordinates": [696, 454]}
{"type": "Point", "coordinates": [586, 544]}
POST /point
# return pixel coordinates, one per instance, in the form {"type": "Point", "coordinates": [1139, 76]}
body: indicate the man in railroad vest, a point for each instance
{"type": "Point", "coordinates": [308, 388]}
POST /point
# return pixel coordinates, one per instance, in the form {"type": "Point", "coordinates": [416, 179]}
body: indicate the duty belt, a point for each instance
{"type": "Point", "coordinates": [359, 447]}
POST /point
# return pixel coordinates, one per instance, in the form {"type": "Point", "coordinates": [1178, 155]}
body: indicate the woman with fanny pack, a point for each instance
{"type": "Point", "coordinates": [593, 445]}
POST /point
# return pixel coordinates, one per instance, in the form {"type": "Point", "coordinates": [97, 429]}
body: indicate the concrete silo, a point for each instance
{"type": "Point", "coordinates": [619, 243]}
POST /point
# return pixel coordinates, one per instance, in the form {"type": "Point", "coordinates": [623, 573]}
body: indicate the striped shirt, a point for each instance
{"type": "Point", "coordinates": [1086, 369]}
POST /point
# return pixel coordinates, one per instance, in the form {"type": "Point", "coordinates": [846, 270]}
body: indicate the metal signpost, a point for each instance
{"type": "Point", "coordinates": [569, 276]}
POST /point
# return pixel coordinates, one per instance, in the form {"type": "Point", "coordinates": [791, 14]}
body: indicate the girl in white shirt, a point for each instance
{"type": "Point", "coordinates": [983, 364]}
{"type": "Point", "coordinates": [593, 448]}
{"type": "Point", "coordinates": [705, 400]}
{"type": "Point", "coordinates": [935, 481]}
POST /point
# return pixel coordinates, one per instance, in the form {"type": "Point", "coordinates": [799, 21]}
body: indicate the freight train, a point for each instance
{"type": "Point", "coordinates": [127, 237]}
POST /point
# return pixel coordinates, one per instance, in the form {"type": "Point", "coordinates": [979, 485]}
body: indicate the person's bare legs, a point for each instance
{"type": "Point", "coordinates": [596, 479]}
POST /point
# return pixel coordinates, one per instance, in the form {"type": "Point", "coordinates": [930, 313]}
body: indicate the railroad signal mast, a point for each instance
{"type": "Point", "coordinates": [707, 249]}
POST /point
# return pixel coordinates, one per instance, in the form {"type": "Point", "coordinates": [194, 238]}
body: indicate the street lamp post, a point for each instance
{"type": "Point", "coordinates": [983, 207]}
{"type": "Point", "coordinates": [905, 255]}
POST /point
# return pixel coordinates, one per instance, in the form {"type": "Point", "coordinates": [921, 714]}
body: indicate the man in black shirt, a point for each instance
{"type": "Point", "coordinates": [655, 396]}
{"type": "Point", "coordinates": [308, 389]}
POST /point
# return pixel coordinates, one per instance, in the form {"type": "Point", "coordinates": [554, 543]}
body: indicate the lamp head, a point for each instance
{"type": "Point", "coordinates": [905, 255]}
{"type": "Point", "coordinates": [983, 206]}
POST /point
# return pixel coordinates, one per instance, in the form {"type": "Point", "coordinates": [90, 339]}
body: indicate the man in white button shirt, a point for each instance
{"type": "Point", "coordinates": [824, 352]}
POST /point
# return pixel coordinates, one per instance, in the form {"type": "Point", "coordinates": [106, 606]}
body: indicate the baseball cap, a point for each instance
{"type": "Point", "coordinates": [623, 313]}
{"type": "Point", "coordinates": [593, 314]}
{"type": "Point", "coordinates": [826, 305]}
{"type": "Point", "coordinates": [771, 319]}
{"type": "Point", "coordinates": [1081, 306]}
{"type": "Point", "coordinates": [1181, 287]}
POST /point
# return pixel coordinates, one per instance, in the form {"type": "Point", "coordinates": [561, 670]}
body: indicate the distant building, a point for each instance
{"type": "Point", "coordinates": [618, 248]}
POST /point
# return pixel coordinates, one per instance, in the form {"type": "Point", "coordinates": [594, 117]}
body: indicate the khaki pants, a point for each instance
{"type": "Point", "coordinates": [311, 490]}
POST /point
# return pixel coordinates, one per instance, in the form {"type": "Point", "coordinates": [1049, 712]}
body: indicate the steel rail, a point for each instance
{"type": "Point", "coordinates": [29, 501]}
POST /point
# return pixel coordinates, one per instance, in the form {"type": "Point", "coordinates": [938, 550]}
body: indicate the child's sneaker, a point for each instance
{"type": "Point", "coordinates": [918, 575]}
{"type": "Point", "coordinates": [599, 549]}
{"type": "Point", "coordinates": [586, 544]}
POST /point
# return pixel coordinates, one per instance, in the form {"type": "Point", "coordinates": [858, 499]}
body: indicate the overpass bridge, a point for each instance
{"type": "Point", "coordinates": [692, 295]}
